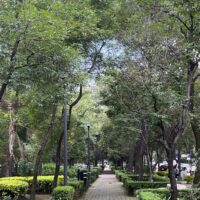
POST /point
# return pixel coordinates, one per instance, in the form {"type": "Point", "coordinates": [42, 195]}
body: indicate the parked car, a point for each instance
{"type": "Point", "coordinates": [164, 165]}
{"type": "Point", "coordinates": [186, 167]}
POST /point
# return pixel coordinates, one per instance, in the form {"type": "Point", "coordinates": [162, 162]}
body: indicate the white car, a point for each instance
{"type": "Point", "coordinates": [186, 167]}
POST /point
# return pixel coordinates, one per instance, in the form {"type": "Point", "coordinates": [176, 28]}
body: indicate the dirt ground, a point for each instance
{"type": "Point", "coordinates": [40, 197]}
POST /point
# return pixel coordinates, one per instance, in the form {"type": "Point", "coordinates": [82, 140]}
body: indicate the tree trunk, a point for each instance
{"type": "Point", "coordinates": [170, 157]}
{"type": "Point", "coordinates": [130, 158]}
{"type": "Point", "coordinates": [40, 153]}
{"type": "Point", "coordinates": [21, 148]}
{"type": "Point", "coordinates": [196, 130]}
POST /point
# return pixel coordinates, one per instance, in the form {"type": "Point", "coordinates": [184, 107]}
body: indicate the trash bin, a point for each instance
{"type": "Point", "coordinates": [82, 175]}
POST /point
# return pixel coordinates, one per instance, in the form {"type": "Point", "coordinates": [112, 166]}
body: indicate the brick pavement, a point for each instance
{"type": "Point", "coordinates": [106, 187]}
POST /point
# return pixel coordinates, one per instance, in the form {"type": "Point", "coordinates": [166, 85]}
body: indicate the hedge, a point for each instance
{"type": "Point", "coordinates": [63, 192]}
{"type": "Point", "coordinates": [160, 178]}
{"type": "Point", "coordinates": [132, 186]}
{"type": "Point", "coordinates": [148, 196]}
{"type": "Point", "coordinates": [44, 183]}
{"type": "Point", "coordinates": [165, 194]}
{"type": "Point", "coordinates": [159, 192]}
{"type": "Point", "coordinates": [188, 179]}
{"type": "Point", "coordinates": [49, 169]}
{"type": "Point", "coordinates": [13, 188]}
{"type": "Point", "coordinates": [162, 173]}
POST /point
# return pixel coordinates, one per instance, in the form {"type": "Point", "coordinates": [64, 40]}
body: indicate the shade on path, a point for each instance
{"type": "Point", "coordinates": [106, 187]}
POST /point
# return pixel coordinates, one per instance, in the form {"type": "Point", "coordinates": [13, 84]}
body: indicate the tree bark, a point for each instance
{"type": "Point", "coordinates": [130, 158]}
{"type": "Point", "coordinates": [144, 136]}
{"type": "Point", "coordinates": [170, 156]}
{"type": "Point", "coordinates": [21, 148]}
{"type": "Point", "coordinates": [40, 153]}
{"type": "Point", "coordinates": [138, 158]}
{"type": "Point", "coordinates": [196, 130]}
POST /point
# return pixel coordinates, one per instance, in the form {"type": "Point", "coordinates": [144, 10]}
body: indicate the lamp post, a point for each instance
{"type": "Point", "coordinates": [65, 135]}
{"type": "Point", "coordinates": [88, 158]}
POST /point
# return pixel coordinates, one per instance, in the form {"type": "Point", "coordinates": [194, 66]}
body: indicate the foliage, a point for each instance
{"type": "Point", "coordinates": [148, 196]}
{"type": "Point", "coordinates": [44, 183]}
{"type": "Point", "coordinates": [63, 192]}
{"type": "Point", "coordinates": [162, 173]}
{"type": "Point", "coordinates": [132, 186]}
{"type": "Point", "coordinates": [165, 193]}
{"type": "Point", "coordinates": [13, 188]}
{"type": "Point", "coordinates": [188, 179]}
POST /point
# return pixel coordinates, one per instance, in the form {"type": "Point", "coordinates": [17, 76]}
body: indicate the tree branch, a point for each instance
{"type": "Point", "coordinates": [95, 57]}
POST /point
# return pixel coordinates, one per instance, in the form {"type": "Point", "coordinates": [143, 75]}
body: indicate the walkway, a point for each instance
{"type": "Point", "coordinates": [106, 187]}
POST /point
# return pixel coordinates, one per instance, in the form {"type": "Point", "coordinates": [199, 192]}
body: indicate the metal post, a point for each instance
{"type": "Point", "coordinates": [88, 163]}
{"type": "Point", "coordinates": [65, 135]}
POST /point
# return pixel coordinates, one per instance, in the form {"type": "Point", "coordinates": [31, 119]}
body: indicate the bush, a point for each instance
{"type": "Point", "coordinates": [162, 173]}
{"type": "Point", "coordinates": [192, 194]}
{"type": "Point", "coordinates": [12, 188]}
{"type": "Point", "coordinates": [63, 192]}
{"type": "Point", "coordinates": [148, 196]}
{"type": "Point", "coordinates": [132, 186]}
{"type": "Point", "coordinates": [160, 178]}
{"type": "Point", "coordinates": [163, 193]}
{"type": "Point", "coordinates": [188, 179]}
{"type": "Point", "coordinates": [24, 169]}
{"type": "Point", "coordinates": [49, 169]}
{"type": "Point", "coordinates": [119, 174]}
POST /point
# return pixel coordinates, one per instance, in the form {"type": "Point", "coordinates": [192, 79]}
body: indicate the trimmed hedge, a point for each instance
{"type": "Point", "coordinates": [63, 192]}
{"type": "Point", "coordinates": [132, 186]}
{"type": "Point", "coordinates": [13, 188]}
{"type": "Point", "coordinates": [44, 183]}
{"type": "Point", "coordinates": [148, 196]}
{"type": "Point", "coordinates": [165, 194]}
{"type": "Point", "coordinates": [160, 178]}
{"type": "Point", "coordinates": [161, 193]}
{"type": "Point", "coordinates": [162, 173]}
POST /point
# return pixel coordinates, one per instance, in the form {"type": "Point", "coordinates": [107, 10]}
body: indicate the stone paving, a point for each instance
{"type": "Point", "coordinates": [106, 187]}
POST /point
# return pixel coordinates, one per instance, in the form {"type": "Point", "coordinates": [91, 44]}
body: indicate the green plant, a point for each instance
{"type": "Point", "coordinates": [162, 173]}
{"type": "Point", "coordinates": [132, 186]}
{"type": "Point", "coordinates": [63, 193]}
{"type": "Point", "coordinates": [160, 178]}
{"type": "Point", "coordinates": [149, 196]}
{"type": "Point", "coordinates": [13, 188]}
{"type": "Point", "coordinates": [187, 194]}
{"type": "Point", "coordinates": [24, 168]}
{"type": "Point", "coordinates": [188, 179]}
{"type": "Point", "coordinates": [161, 192]}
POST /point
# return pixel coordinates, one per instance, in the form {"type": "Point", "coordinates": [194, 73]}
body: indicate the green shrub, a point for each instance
{"type": "Point", "coordinates": [63, 193]}
{"type": "Point", "coordinates": [72, 172]}
{"type": "Point", "coordinates": [163, 193]}
{"type": "Point", "coordinates": [24, 168]}
{"type": "Point", "coordinates": [189, 179]}
{"type": "Point", "coordinates": [119, 174]}
{"type": "Point", "coordinates": [15, 178]}
{"type": "Point", "coordinates": [162, 173]}
{"type": "Point", "coordinates": [149, 196]}
{"type": "Point", "coordinates": [187, 194]}
{"type": "Point", "coordinates": [49, 169]}
{"type": "Point", "coordinates": [132, 186]}
{"type": "Point", "coordinates": [13, 188]}
{"type": "Point", "coordinates": [160, 178]}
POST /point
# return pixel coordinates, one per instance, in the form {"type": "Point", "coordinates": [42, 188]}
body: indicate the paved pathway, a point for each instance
{"type": "Point", "coordinates": [106, 187]}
